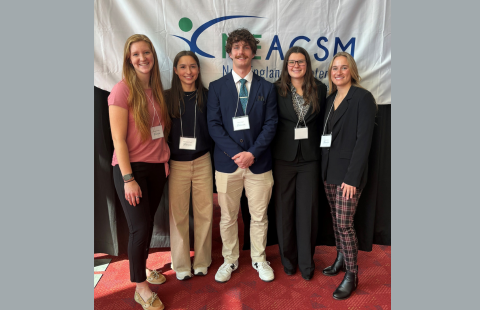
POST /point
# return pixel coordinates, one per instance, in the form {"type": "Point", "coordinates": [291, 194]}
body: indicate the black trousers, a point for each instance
{"type": "Point", "coordinates": [296, 208]}
{"type": "Point", "coordinates": [151, 178]}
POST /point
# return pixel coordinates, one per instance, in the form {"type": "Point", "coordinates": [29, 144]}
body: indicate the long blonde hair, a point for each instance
{"type": "Point", "coordinates": [137, 99]}
{"type": "Point", "coordinates": [353, 72]}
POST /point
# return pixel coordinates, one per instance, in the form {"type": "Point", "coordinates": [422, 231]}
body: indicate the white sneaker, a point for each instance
{"type": "Point", "coordinates": [264, 271]}
{"type": "Point", "coordinates": [200, 271]}
{"type": "Point", "coordinates": [224, 273]}
{"type": "Point", "coordinates": [183, 275]}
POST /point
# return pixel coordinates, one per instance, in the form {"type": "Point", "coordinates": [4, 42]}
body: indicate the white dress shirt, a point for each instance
{"type": "Point", "coordinates": [248, 83]}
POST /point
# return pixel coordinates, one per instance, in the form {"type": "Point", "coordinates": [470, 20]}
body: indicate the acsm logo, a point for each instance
{"type": "Point", "coordinates": [186, 25]}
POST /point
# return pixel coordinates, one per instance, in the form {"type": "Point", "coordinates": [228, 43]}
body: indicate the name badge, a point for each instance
{"type": "Point", "coordinates": [157, 132]}
{"type": "Point", "coordinates": [301, 133]}
{"type": "Point", "coordinates": [187, 143]}
{"type": "Point", "coordinates": [326, 140]}
{"type": "Point", "coordinates": [241, 123]}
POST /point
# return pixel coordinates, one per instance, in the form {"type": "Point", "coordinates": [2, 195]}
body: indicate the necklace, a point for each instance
{"type": "Point", "coordinates": [191, 93]}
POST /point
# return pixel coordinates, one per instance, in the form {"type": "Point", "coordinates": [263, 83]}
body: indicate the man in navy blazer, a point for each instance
{"type": "Point", "coordinates": [242, 120]}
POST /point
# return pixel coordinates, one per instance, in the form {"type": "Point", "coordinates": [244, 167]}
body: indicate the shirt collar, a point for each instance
{"type": "Point", "coordinates": [237, 78]}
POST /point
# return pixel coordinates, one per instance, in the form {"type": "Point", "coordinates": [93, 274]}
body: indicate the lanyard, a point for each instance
{"type": "Point", "coordinates": [195, 122]}
{"type": "Point", "coordinates": [301, 116]}
{"type": "Point", "coordinates": [238, 99]}
{"type": "Point", "coordinates": [154, 110]}
{"type": "Point", "coordinates": [329, 114]}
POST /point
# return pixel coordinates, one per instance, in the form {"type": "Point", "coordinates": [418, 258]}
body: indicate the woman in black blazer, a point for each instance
{"type": "Point", "coordinates": [346, 139]}
{"type": "Point", "coordinates": [296, 166]}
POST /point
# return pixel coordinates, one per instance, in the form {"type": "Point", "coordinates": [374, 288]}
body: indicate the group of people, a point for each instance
{"type": "Point", "coordinates": [291, 133]}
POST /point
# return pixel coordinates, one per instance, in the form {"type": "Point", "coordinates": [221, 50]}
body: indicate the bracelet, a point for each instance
{"type": "Point", "coordinates": [132, 179]}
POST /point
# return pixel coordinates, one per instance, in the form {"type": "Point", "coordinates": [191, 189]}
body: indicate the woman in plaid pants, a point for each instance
{"type": "Point", "coordinates": [346, 140]}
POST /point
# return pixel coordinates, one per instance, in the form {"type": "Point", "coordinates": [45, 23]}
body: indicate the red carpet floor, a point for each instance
{"type": "Point", "coordinates": [245, 290]}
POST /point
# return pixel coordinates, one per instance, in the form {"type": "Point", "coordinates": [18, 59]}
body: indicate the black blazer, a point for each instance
{"type": "Point", "coordinates": [284, 146]}
{"type": "Point", "coordinates": [347, 158]}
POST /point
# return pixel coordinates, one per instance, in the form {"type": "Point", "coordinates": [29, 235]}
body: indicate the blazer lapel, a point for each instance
{"type": "Point", "coordinates": [309, 114]}
{"type": "Point", "coordinates": [232, 90]}
{"type": "Point", "coordinates": [343, 107]}
{"type": "Point", "coordinates": [287, 106]}
{"type": "Point", "coordinates": [253, 92]}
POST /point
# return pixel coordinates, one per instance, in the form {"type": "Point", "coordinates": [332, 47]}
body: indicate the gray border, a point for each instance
{"type": "Point", "coordinates": [47, 129]}
{"type": "Point", "coordinates": [434, 149]}
{"type": "Point", "coordinates": [47, 143]}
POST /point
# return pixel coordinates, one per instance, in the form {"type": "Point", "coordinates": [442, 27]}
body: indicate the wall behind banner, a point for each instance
{"type": "Point", "coordinates": [323, 28]}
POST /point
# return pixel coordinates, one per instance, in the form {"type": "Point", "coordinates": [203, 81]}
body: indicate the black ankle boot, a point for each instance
{"type": "Point", "coordinates": [337, 266]}
{"type": "Point", "coordinates": [348, 285]}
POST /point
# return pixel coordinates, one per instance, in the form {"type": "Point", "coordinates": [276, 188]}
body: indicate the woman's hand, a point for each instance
{"type": "Point", "coordinates": [348, 190]}
{"type": "Point", "coordinates": [133, 193]}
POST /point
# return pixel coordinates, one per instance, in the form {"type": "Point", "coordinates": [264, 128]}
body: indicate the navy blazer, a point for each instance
{"type": "Point", "coordinates": [262, 114]}
{"type": "Point", "coordinates": [346, 160]}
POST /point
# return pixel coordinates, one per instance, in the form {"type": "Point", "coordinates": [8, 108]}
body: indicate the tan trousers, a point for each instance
{"type": "Point", "coordinates": [195, 175]}
{"type": "Point", "coordinates": [258, 189]}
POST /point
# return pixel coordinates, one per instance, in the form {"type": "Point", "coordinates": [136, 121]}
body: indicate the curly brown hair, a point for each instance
{"type": "Point", "coordinates": [244, 35]}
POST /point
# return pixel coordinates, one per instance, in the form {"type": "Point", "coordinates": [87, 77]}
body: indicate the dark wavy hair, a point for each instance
{"type": "Point", "coordinates": [309, 86]}
{"type": "Point", "coordinates": [241, 34]}
{"type": "Point", "coordinates": [175, 94]}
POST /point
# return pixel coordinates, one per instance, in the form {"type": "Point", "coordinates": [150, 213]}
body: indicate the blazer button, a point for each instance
{"type": "Point", "coordinates": [241, 140]}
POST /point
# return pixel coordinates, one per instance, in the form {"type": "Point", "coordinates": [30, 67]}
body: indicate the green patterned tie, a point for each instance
{"type": "Point", "coordinates": [243, 95]}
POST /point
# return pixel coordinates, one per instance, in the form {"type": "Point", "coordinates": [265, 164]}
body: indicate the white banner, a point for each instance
{"type": "Point", "coordinates": [323, 28]}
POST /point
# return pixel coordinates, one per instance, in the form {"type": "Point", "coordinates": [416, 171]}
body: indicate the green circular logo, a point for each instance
{"type": "Point", "coordinates": [185, 24]}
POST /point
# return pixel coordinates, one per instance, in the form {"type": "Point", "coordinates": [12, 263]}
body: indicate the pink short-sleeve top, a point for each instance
{"type": "Point", "coordinates": [150, 151]}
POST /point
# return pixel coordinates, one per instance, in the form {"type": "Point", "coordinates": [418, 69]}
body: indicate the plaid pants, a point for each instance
{"type": "Point", "coordinates": [343, 211]}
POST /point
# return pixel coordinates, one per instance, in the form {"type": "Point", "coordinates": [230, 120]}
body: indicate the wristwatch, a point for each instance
{"type": "Point", "coordinates": [127, 177]}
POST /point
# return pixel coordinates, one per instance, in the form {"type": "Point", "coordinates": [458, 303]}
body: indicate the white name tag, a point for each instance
{"type": "Point", "coordinates": [241, 123]}
{"type": "Point", "coordinates": [157, 132]}
{"type": "Point", "coordinates": [187, 143]}
{"type": "Point", "coordinates": [301, 133]}
{"type": "Point", "coordinates": [326, 141]}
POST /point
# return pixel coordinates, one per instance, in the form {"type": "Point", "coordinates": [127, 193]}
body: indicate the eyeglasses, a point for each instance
{"type": "Point", "coordinates": [291, 63]}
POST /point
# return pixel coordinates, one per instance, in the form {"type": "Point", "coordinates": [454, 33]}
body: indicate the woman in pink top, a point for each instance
{"type": "Point", "coordinates": [140, 125]}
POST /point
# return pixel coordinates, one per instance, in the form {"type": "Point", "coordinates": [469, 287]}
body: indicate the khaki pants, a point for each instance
{"type": "Point", "coordinates": [197, 176]}
{"type": "Point", "coordinates": [258, 189]}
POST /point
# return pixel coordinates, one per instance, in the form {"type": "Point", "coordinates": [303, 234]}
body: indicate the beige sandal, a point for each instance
{"type": "Point", "coordinates": [153, 303]}
{"type": "Point", "coordinates": [156, 277]}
